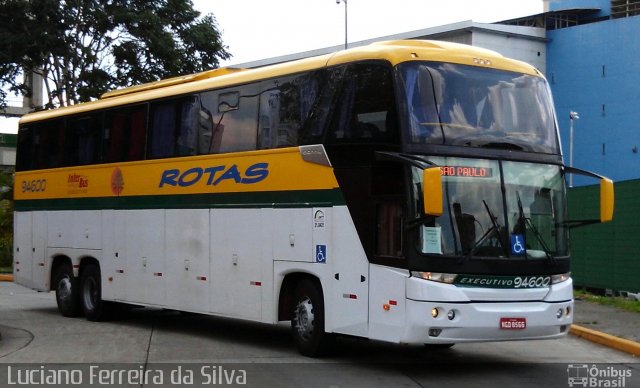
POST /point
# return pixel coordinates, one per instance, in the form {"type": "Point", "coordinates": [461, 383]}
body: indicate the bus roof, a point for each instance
{"type": "Point", "coordinates": [394, 52]}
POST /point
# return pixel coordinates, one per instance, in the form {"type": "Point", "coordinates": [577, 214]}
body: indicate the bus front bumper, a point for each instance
{"type": "Point", "coordinates": [438, 322]}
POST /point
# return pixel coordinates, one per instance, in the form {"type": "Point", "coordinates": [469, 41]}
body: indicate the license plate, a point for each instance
{"type": "Point", "coordinates": [513, 323]}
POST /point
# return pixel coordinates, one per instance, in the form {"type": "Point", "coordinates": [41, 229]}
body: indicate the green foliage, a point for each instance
{"type": "Point", "coordinates": [84, 48]}
{"type": "Point", "coordinates": [614, 301]}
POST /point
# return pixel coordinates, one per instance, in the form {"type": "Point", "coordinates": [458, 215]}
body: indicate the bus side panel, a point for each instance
{"type": "Point", "coordinates": [239, 245]}
{"type": "Point", "coordinates": [23, 248]}
{"type": "Point", "coordinates": [113, 261]}
{"type": "Point", "coordinates": [187, 259]}
{"type": "Point", "coordinates": [347, 300]}
{"type": "Point", "coordinates": [74, 229]}
{"type": "Point", "coordinates": [292, 237]}
{"type": "Point", "coordinates": [387, 303]}
{"type": "Point", "coordinates": [39, 241]}
{"type": "Point", "coordinates": [144, 252]}
{"type": "Point", "coordinates": [59, 232]}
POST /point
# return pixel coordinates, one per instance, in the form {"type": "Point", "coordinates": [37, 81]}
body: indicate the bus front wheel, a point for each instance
{"type": "Point", "coordinates": [94, 308]}
{"type": "Point", "coordinates": [308, 321]}
{"type": "Point", "coordinates": [67, 291]}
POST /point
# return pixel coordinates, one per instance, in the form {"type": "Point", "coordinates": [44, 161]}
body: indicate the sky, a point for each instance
{"type": "Point", "coordinates": [259, 29]}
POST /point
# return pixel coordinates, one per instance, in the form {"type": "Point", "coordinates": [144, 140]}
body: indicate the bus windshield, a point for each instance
{"type": "Point", "coordinates": [496, 209]}
{"type": "Point", "coordinates": [471, 106]}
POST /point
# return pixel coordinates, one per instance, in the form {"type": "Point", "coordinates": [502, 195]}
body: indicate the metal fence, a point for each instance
{"type": "Point", "coordinates": [607, 256]}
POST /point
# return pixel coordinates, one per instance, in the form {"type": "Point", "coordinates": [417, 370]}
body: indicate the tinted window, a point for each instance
{"type": "Point", "coordinates": [24, 154]}
{"type": "Point", "coordinates": [320, 113]}
{"type": "Point", "coordinates": [47, 144]}
{"type": "Point", "coordinates": [285, 104]}
{"type": "Point", "coordinates": [229, 120]}
{"type": "Point", "coordinates": [471, 106]}
{"type": "Point", "coordinates": [124, 134]}
{"type": "Point", "coordinates": [82, 140]}
{"type": "Point", "coordinates": [365, 110]}
{"type": "Point", "coordinates": [174, 127]}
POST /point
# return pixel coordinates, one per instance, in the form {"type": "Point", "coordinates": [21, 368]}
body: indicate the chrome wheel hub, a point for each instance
{"type": "Point", "coordinates": [304, 318]}
{"type": "Point", "coordinates": [64, 289]}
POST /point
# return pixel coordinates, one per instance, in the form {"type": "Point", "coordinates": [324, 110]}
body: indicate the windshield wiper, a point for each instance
{"type": "Point", "coordinates": [527, 222]}
{"type": "Point", "coordinates": [502, 145]}
{"type": "Point", "coordinates": [495, 229]}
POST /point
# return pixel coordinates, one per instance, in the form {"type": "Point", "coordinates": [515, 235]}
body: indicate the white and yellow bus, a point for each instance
{"type": "Point", "coordinates": [406, 191]}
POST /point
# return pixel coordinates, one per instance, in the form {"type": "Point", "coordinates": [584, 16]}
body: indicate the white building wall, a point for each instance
{"type": "Point", "coordinates": [7, 156]}
{"type": "Point", "coordinates": [513, 46]}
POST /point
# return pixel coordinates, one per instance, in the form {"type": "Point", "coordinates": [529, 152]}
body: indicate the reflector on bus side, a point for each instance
{"type": "Point", "coordinates": [606, 200]}
{"type": "Point", "coordinates": [432, 191]}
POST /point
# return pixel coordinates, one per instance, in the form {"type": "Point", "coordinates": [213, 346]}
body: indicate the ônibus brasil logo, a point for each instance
{"type": "Point", "coordinates": [583, 375]}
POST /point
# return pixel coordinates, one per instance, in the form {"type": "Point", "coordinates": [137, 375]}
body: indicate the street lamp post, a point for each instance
{"type": "Point", "coordinates": [572, 116]}
{"type": "Point", "coordinates": [345, 21]}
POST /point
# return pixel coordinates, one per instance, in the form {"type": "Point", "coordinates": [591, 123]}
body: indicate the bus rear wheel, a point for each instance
{"type": "Point", "coordinates": [307, 323]}
{"type": "Point", "coordinates": [94, 308]}
{"type": "Point", "coordinates": [67, 291]}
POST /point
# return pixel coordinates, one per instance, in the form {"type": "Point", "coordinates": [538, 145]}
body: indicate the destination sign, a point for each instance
{"type": "Point", "coordinates": [465, 171]}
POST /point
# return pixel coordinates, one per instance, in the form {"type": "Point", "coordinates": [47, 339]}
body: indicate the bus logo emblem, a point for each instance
{"type": "Point", "coordinates": [117, 182]}
{"type": "Point", "coordinates": [318, 219]}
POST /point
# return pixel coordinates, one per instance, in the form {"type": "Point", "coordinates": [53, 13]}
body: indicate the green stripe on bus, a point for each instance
{"type": "Point", "coordinates": [303, 198]}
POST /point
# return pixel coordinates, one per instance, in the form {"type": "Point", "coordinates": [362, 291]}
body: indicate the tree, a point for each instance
{"type": "Point", "coordinates": [83, 48]}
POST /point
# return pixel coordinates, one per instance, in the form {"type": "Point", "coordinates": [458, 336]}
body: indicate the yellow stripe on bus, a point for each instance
{"type": "Point", "coordinates": [257, 171]}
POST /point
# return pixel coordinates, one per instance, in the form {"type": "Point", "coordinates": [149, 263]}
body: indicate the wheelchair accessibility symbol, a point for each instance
{"type": "Point", "coordinates": [517, 245]}
{"type": "Point", "coordinates": [321, 254]}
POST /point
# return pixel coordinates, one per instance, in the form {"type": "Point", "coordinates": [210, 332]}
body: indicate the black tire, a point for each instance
{"type": "Point", "coordinates": [93, 307]}
{"type": "Point", "coordinates": [307, 322]}
{"type": "Point", "coordinates": [67, 289]}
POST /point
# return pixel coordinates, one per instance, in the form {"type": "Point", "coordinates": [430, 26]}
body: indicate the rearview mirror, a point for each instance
{"type": "Point", "coordinates": [606, 197]}
{"type": "Point", "coordinates": [606, 200]}
{"type": "Point", "coordinates": [432, 191]}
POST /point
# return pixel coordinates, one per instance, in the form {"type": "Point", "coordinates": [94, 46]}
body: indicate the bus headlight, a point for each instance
{"type": "Point", "coordinates": [435, 276]}
{"type": "Point", "coordinates": [555, 279]}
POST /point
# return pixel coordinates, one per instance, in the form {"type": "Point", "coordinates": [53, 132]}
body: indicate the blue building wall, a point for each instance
{"type": "Point", "coordinates": [603, 5]}
{"type": "Point", "coordinates": [594, 69]}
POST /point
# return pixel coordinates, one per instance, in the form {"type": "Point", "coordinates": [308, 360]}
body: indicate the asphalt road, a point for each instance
{"type": "Point", "coordinates": [170, 345]}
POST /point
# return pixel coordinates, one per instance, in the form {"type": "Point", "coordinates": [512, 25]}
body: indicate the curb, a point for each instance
{"type": "Point", "coordinates": [609, 340]}
{"type": "Point", "coordinates": [6, 278]}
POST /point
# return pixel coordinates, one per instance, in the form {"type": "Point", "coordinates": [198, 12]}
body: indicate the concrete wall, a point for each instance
{"type": "Point", "coordinates": [8, 144]}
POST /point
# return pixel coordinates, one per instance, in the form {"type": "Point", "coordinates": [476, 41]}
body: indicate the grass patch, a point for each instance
{"type": "Point", "coordinates": [614, 301]}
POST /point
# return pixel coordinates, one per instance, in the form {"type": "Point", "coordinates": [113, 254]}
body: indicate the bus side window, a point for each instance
{"type": "Point", "coordinates": [138, 133]}
{"type": "Point", "coordinates": [83, 140]}
{"type": "Point", "coordinates": [47, 146]}
{"type": "Point", "coordinates": [228, 120]}
{"type": "Point", "coordinates": [285, 104]}
{"type": "Point", "coordinates": [24, 155]}
{"type": "Point", "coordinates": [173, 128]}
{"type": "Point", "coordinates": [124, 134]}
{"type": "Point", "coordinates": [320, 112]}
{"type": "Point", "coordinates": [366, 107]}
